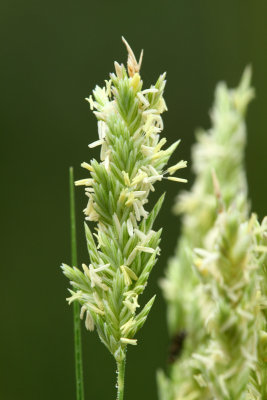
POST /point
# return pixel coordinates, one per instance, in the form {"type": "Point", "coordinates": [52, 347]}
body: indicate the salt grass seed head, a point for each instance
{"type": "Point", "coordinates": [218, 161]}
{"type": "Point", "coordinates": [231, 268]}
{"type": "Point", "coordinates": [219, 150]}
{"type": "Point", "coordinates": [123, 247]}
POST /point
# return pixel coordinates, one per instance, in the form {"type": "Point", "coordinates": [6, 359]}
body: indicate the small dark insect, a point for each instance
{"type": "Point", "coordinates": [176, 346]}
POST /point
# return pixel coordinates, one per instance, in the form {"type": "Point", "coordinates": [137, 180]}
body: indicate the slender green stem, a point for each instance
{"type": "Point", "coordinates": [76, 307]}
{"type": "Point", "coordinates": [120, 379]}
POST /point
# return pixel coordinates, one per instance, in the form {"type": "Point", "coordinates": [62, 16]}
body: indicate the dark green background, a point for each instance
{"type": "Point", "coordinates": [53, 53]}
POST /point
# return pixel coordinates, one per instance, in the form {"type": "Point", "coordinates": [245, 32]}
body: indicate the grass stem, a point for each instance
{"type": "Point", "coordinates": [120, 381]}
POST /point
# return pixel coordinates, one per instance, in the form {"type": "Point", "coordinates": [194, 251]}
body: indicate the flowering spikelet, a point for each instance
{"type": "Point", "coordinates": [133, 158]}
{"type": "Point", "coordinates": [212, 290]}
{"type": "Point", "coordinates": [220, 150]}
{"type": "Point", "coordinates": [199, 206]}
{"type": "Point", "coordinates": [229, 269]}
{"type": "Point", "coordinates": [232, 272]}
{"type": "Point", "coordinates": [257, 388]}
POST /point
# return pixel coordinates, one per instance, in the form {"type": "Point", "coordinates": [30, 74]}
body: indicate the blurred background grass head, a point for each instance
{"type": "Point", "coordinates": [53, 54]}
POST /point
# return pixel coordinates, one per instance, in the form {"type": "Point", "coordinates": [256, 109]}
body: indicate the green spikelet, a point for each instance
{"type": "Point", "coordinates": [123, 247]}
{"type": "Point", "coordinates": [214, 285]}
